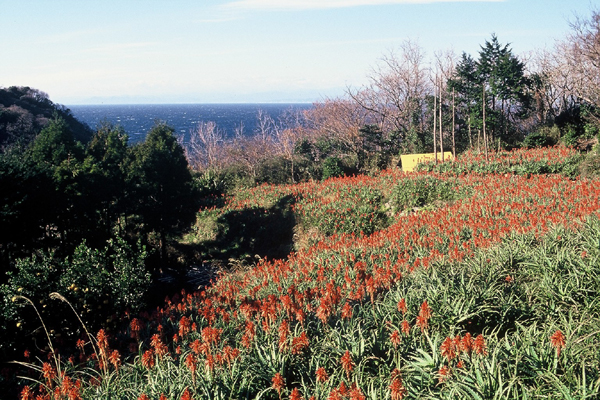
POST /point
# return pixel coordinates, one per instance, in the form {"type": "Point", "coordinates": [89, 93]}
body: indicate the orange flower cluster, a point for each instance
{"type": "Point", "coordinates": [395, 338]}
{"type": "Point", "coordinates": [322, 376]}
{"type": "Point", "coordinates": [160, 349]}
{"type": "Point", "coordinates": [347, 363]}
{"type": "Point", "coordinates": [452, 348]}
{"type": "Point", "coordinates": [423, 317]}
{"type": "Point", "coordinates": [343, 392]}
{"type": "Point", "coordinates": [557, 340]}
{"type": "Point", "coordinates": [397, 389]}
{"type": "Point", "coordinates": [278, 383]}
{"type": "Point", "coordinates": [148, 359]}
{"type": "Point", "coordinates": [63, 387]}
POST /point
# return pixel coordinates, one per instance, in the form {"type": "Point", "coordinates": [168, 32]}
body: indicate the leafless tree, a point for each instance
{"type": "Point", "coordinates": [395, 95]}
{"type": "Point", "coordinates": [582, 54]}
{"type": "Point", "coordinates": [204, 151]}
{"type": "Point", "coordinates": [553, 84]}
{"type": "Point", "coordinates": [444, 70]}
{"type": "Point", "coordinates": [338, 119]}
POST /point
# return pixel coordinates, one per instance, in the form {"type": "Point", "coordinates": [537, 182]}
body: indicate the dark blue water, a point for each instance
{"type": "Point", "coordinates": [138, 119]}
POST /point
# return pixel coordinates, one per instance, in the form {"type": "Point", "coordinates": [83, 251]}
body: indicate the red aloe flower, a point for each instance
{"type": "Point", "coordinates": [115, 358]}
{"type": "Point", "coordinates": [191, 362]}
{"type": "Point", "coordinates": [425, 311]}
{"type": "Point", "coordinates": [557, 340]}
{"type": "Point", "coordinates": [49, 372]}
{"type": "Point", "coordinates": [422, 322]}
{"type": "Point", "coordinates": [136, 326]}
{"type": "Point", "coordinates": [346, 311]}
{"type": "Point", "coordinates": [479, 345]}
{"type": "Point", "coordinates": [26, 393]}
{"type": "Point", "coordinates": [102, 342]}
{"type": "Point", "coordinates": [160, 349]}
{"type": "Point", "coordinates": [185, 326]}
{"type": "Point", "coordinates": [148, 359]}
{"type": "Point", "coordinates": [448, 349]}
{"type": "Point", "coordinates": [402, 306]}
{"type": "Point", "coordinates": [322, 375]}
{"type": "Point", "coordinates": [278, 383]}
{"type": "Point", "coordinates": [186, 395]}
{"type": "Point", "coordinates": [296, 395]}
{"type": "Point", "coordinates": [405, 327]}
{"type": "Point", "coordinates": [284, 330]}
{"type": "Point", "coordinates": [444, 373]}
{"type": "Point", "coordinates": [466, 344]}
{"type": "Point", "coordinates": [300, 343]}
{"type": "Point", "coordinates": [347, 362]}
{"type": "Point", "coordinates": [395, 338]}
{"type": "Point", "coordinates": [397, 390]}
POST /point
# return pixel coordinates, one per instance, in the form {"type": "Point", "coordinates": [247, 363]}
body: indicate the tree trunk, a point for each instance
{"type": "Point", "coordinates": [470, 137]}
{"type": "Point", "coordinates": [292, 166]}
{"type": "Point", "coordinates": [163, 247]}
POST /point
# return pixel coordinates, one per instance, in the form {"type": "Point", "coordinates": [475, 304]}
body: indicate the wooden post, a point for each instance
{"type": "Point", "coordinates": [453, 126]}
{"type": "Point", "coordinates": [441, 125]}
{"type": "Point", "coordinates": [435, 119]}
{"type": "Point", "coordinates": [485, 143]}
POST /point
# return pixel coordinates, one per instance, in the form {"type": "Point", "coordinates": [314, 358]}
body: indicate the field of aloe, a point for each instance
{"type": "Point", "coordinates": [454, 283]}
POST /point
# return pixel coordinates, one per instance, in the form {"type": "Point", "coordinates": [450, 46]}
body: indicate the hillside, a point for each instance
{"type": "Point", "coordinates": [24, 112]}
{"type": "Point", "coordinates": [454, 285]}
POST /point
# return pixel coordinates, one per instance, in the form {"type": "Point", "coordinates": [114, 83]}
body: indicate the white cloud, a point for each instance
{"type": "Point", "coordinates": [216, 20]}
{"type": "Point", "coordinates": [323, 4]}
{"type": "Point", "coordinates": [122, 46]}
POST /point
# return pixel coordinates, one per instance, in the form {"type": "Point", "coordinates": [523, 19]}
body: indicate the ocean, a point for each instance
{"type": "Point", "coordinates": [138, 119]}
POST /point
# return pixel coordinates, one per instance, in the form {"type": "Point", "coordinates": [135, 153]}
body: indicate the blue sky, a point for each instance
{"type": "Point", "coordinates": [203, 51]}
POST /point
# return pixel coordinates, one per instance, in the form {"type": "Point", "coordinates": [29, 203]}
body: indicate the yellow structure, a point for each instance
{"type": "Point", "coordinates": [410, 161]}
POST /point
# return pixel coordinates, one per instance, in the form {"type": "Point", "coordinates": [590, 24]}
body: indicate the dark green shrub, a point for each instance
{"type": "Point", "coordinates": [98, 283]}
{"type": "Point", "coordinates": [570, 137]}
{"type": "Point", "coordinates": [590, 166]}
{"type": "Point", "coordinates": [422, 190]}
{"type": "Point", "coordinates": [332, 168]}
{"type": "Point", "coordinates": [342, 207]}
{"type": "Point", "coordinates": [590, 130]}
{"type": "Point", "coordinates": [537, 139]}
{"type": "Point", "coordinates": [275, 170]}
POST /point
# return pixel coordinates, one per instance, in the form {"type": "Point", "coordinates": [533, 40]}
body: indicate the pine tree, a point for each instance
{"type": "Point", "coordinates": [161, 188]}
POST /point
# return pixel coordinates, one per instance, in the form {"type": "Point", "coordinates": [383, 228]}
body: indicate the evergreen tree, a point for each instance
{"type": "Point", "coordinates": [104, 186]}
{"type": "Point", "coordinates": [162, 192]}
{"type": "Point", "coordinates": [26, 206]}
{"type": "Point", "coordinates": [56, 151]}
{"type": "Point", "coordinates": [55, 144]}
{"type": "Point", "coordinates": [467, 86]}
{"type": "Point", "coordinates": [503, 76]}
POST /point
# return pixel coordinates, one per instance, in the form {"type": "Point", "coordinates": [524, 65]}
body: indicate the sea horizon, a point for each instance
{"type": "Point", "coordinates": [138, 119]}
{"type": "Point", "coordinates": [190, 103]}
